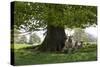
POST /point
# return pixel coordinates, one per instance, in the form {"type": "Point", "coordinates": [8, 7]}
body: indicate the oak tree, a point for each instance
{"type": "Point", "coordinates": [53, 17]}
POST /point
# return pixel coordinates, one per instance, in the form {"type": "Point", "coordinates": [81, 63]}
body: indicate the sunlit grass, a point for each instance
{"type": "Point", "coordinates": [19, 46]}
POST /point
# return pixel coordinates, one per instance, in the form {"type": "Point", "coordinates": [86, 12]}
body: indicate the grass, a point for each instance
{"type": "Point", "coordinates": [24, 56]}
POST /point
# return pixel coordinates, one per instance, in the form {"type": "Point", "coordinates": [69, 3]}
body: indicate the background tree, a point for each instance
{"type": "Point", "coordinates": [34, 39]}
{"type": "Point", "coordinates": [92, 38]}
{"type": "Point", "coordinates": [16, 36]}
{"type": "Point", "coordinates": [22, 39]}
{"type": "Point", "coordinates": [80, 35]}
{"type": "Point", "coordinates": [54, 18]}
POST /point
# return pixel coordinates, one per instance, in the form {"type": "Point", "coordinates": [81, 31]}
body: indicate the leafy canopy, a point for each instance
{"type": "Point", "coordinates": [32, 16]}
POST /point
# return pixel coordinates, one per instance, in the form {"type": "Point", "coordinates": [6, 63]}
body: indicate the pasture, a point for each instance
{"type": "Point", "coordinates": [26, 55]}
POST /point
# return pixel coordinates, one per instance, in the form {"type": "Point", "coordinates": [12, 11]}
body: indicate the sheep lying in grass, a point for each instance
{"type": "Point", "coordinates": [71, 45]}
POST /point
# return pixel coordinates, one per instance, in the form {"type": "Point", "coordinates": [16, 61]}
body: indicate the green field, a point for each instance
{"type": "Point", "coordinates": [26, 55]}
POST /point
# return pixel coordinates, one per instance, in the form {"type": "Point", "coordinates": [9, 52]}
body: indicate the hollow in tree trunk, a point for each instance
{"type": "Point", "coordinates": [54, 40]}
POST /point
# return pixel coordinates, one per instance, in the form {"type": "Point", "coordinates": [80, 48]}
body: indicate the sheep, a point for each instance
{"type": "Point", "coordinates": [71, 45]}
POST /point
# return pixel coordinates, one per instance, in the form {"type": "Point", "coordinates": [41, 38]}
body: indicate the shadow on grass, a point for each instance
{"type": "Point", "coordinates": [30, 56]}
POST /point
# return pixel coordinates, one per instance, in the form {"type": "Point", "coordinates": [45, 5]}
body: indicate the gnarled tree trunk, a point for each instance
{"type": "Point", "coordinates": [54, 40]}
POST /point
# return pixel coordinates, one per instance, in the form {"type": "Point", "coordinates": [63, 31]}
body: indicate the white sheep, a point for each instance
{"type": "Point", "coordinates": [71, 44]}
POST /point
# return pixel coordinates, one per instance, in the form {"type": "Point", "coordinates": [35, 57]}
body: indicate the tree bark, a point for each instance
{"type": "Point", "coordinates": [54, 40]}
